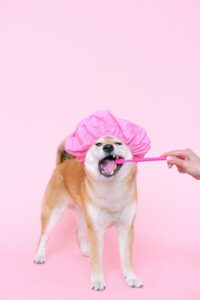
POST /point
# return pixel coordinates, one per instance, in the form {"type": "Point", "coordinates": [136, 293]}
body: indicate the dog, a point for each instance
{"type": "Point", "coordinates": [103, 193]}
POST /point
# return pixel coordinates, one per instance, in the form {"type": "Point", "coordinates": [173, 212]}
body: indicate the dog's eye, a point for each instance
{"type": "Point", "coordinates": [98, 144]}
{"type": "Point", "coordinates": [118, 143]}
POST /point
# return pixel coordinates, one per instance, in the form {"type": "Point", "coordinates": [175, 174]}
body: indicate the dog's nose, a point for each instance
{"type": "Point", "coordinates": [108, 148]}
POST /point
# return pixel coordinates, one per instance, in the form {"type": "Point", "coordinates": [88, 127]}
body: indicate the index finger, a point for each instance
{"type": "Point", "coordinates": [176, 153]}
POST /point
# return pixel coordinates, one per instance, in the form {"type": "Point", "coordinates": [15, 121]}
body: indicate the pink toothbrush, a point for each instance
{"type": "Point", "coordinates": [122, 161]}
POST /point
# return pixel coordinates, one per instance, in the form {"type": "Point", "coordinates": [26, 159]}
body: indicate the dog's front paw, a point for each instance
{"type": "Point", "coordinates": [133, 282]}
{"type": "Point", "coordinates": [39, 259]}
{"type": "Point", "coordinates": [98, 285]}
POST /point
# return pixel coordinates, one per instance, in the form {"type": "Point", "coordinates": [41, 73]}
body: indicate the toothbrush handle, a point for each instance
{"type": "Point", "coordinates": [144, 159]}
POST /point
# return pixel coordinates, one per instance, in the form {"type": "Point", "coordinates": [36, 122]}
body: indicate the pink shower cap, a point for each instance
{"type": "Point", "coordinates": [103, 123]}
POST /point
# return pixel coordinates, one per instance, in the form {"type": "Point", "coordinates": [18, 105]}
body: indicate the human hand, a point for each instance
{"type": "Point", "coordinates": [186, 161]}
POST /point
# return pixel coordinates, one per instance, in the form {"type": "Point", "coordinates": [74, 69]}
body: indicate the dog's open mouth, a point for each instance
{"type": "Point", "coordinates": [108, 167]}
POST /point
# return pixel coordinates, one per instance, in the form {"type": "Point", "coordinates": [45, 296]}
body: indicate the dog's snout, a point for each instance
{"type": "Point", "coordinates": [108, 148]}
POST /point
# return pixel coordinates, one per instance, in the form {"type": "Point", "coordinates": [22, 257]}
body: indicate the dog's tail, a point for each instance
{"type": "Point", "coordinates": [62, 154]}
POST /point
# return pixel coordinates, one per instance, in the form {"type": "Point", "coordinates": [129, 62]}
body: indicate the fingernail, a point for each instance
{"type": "Point", "coordinates": [169, 158]}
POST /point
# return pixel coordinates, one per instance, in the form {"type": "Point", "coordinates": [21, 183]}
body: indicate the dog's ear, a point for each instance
{"type": "Point", "coordinates": [62, 154]}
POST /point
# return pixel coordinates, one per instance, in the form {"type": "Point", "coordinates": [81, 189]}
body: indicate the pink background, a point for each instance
{"type": "Point", "coordinates": [59, 62]}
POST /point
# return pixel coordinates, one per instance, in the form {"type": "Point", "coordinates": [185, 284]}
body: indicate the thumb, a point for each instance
{"type": "Point", "coordinates": [175, 161]}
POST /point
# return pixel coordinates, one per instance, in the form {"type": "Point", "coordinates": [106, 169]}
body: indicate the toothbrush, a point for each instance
{"type": "Point", "coordinates": [121, 161]}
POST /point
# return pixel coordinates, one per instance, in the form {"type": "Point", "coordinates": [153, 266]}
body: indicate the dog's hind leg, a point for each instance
{"type": "Point", "coordinates": [82, 232]}
{"type": "Point", "coordinates": [55, 202]}
{"type": "Point", "coordinates": [46, 229]}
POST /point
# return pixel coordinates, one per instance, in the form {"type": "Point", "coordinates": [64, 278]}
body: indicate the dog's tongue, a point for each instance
{"type": "Point", "coordinates": [108, 166]}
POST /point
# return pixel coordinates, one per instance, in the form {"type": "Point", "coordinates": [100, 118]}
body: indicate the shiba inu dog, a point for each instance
{"type": "Point", "coordinates": [103, 193]}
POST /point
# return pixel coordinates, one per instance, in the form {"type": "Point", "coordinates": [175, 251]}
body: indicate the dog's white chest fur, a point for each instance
{"type": "Point", "coordinates": [112, 203]}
